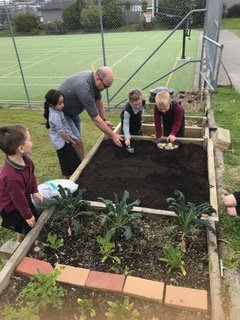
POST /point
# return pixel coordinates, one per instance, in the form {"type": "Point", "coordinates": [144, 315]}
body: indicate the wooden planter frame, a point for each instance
{"type": "Point", "coordinates": [205, 142]}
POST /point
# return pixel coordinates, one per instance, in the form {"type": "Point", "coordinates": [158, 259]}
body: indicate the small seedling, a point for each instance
{"type": "Point", "coordinates": [121, 311]}
{"type": "Point", "coordinates": [53, 241]}
{"type": "Point", "coordinates": [173, 258]}
{"type": "Point", "coordinates": [86, 309]}
{"type": "Point", "coordinates": [107, 247]}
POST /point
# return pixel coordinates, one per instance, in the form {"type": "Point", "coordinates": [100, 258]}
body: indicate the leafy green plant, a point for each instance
{"type": "Point", "coordinates": [189, 215]}
{"type": "Point", "coordinates": [119, 214]}
{"type": "Point", "coordinates": [69, 208]}
{"type": "Point", "coordinates": [43, 291]}
{"type": "Point", "coordinates": [53, 241]}
{"type": "Point", "coordinates": [173, 258]}
{"type": "Point", "coordinates": [22, 313]}
{"type": "Point", "coordinates": [121, 311]}
{"type": "Point", "coordinates": [86, 309]}
{"type": "Point", "coordinates": [107, 247]}
{"type": "Point", "coordinates": [127, 271]}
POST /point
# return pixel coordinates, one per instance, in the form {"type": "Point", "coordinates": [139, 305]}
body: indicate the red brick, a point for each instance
{"type": "Point", "coordinates": [186, 298]}
{"type": "Point", "coordinates": [105, 281]}
{"type": "Point", "coordinates": [30, 266]}
{"type": "Point", "coordinates": [72, 275]}
{"type": "Point", "coordinates": [144, 288]}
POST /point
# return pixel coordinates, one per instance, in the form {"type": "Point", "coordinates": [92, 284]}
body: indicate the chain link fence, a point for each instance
{"type": "Point", "coordinates": [211, 49]}
{"type": "Point", "coordinates": [136, 38]}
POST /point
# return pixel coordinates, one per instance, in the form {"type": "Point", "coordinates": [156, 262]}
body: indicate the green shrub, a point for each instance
{"type": "Point", "coordinates": [25, 22]}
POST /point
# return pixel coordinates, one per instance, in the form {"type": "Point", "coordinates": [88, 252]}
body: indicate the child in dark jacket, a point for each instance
{"type": "Point", "coordinates": [170, 115]}
{"type": "Point", "coordinates": [132, 115]}
{"type": "Point", "coordinates": [17, 181]}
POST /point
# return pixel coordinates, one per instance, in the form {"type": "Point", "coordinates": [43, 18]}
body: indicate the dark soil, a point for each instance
{"type": "Point", "coordinates": [150, 175]}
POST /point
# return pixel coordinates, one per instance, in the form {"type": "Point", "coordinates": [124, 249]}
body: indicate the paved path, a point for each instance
{"type": "Point", "coordinates": [230, 59]}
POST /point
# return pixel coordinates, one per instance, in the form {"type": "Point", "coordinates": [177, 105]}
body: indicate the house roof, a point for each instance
{"type": "Point", "coordinates": [56, 4]}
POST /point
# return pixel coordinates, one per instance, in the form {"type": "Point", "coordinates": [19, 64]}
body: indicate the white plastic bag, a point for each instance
{"type": "Point", "coordinates": [49, 189]}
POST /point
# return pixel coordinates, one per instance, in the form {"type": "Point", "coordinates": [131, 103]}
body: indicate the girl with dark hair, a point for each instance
{"type": "Point", "coordinates": [67, 145]}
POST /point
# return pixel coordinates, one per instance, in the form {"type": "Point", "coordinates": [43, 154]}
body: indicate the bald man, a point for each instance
{"type": "Point", "coordinates": [82, 91]}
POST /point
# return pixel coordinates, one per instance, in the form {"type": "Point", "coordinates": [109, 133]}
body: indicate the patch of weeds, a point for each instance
{"type": "Point", "coordinates": [41, 292]}
{"type": "Point", "coordinates": [121, 311]}
{"type": "Point", "coordinates": [86, 307]}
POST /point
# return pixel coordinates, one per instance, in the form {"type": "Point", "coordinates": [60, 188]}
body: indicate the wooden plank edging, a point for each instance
{"type": "Point", "coordinates": [100, 206]}
{"type": "Point", "coordinates": [212, 176]}
{"type": "Point", "coordinates": [87, 159]}
{"type": "Point", "coordinates": [214, 276]}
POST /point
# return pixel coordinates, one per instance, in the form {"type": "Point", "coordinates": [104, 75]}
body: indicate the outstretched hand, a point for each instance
{"type": "Point", "coordinates": [117, 139]}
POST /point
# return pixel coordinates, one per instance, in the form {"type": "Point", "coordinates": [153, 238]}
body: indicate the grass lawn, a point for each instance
{"type": "Point", "coordinates": [47, 60]}
{"type": "Point", "coordinates": [232, 24]}
{"type": "Point", "coordinates": [227, 114]}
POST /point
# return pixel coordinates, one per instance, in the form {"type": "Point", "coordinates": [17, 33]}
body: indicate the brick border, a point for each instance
{"type": "Point", "coordinates": [173, 296]}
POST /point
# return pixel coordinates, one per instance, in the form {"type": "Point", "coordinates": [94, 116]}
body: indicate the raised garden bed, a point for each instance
{"type": "Point", "coordinates": [151, 176]}
{"type": "Point", "coordinates": [148, 175]}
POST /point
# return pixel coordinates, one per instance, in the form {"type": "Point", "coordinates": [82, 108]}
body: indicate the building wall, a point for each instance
{"type": "Point", "coordinates": [52, 15]}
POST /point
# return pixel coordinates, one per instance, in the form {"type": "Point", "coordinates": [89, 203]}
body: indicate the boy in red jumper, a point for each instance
{"type": "Point", "coordinates": [17, 181]}
{"type": "Point", "coordinates": [171, 113]}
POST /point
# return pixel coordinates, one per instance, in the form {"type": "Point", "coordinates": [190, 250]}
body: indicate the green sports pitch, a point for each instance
{"type": "Point", "coordinates": [47, 60]}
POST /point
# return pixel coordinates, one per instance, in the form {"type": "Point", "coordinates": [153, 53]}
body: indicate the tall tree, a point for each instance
{"type": "Point", "coordinates": [112, 14]}
{"type": "Point", "coordinates": [25, 22]}
{"type": "Point", "coordinates": [71, 15]}
{"type": "Point", "coordinates": [90, 17]}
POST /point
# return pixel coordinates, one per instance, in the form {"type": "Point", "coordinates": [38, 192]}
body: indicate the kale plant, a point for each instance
{"type": "Point", "coordinates": [119, 214]}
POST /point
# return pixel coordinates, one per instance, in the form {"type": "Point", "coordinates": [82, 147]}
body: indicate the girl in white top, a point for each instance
{"type": "Point", "coordinates": [60, 132]}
